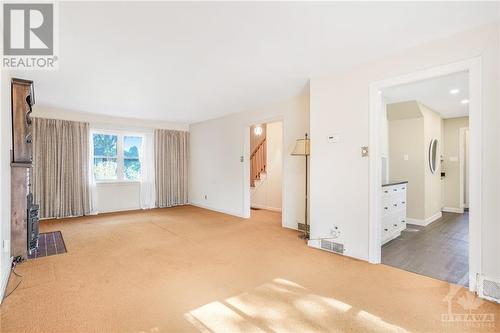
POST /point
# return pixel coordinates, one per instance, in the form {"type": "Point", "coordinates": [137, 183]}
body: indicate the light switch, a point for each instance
{"type": "Point", "coordinates": [6, 245]}
{"type": "Point", "coordinates": [334, 138]}
{"type": "Point", "coordinates": [405, 157]}
{"type": "Point", "coordinates": [364, 151]}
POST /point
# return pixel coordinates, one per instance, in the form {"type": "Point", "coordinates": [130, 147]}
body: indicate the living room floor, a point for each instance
{"type": "Point", "coordinates": [187, 269]}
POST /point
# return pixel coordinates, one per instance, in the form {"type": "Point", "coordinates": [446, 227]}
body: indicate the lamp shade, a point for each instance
{"type": "Point", "coordinates": [301, 148]}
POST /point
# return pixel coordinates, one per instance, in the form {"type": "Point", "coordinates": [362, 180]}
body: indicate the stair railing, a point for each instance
{"type": "Point", "coordinates": [258, 160]}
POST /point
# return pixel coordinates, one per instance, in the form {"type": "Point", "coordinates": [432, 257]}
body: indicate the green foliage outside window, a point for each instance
{"type": "Point", "coordinates": [107, 159]}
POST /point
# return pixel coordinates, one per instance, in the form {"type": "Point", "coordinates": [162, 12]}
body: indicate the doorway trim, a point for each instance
{"type": "Point", "coordinates": [246, 165]}
{"type": "Point", "coordinates": [473, 67]}
{"type": "Point", "coordinates": [462, 160]}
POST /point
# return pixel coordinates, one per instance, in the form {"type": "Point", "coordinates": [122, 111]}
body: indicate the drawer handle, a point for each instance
{"type": "Point", "coordinates": [403, 202]}
{"type": "Point", "coordinates": [395, 225]}
{"type": "Point", "coordinates": [386, 191]}
{"type": "Point", "coordinates": [403, 221]}
{"type": "Point", "coordinates": [385, 208]}
{"type": "Point", "coordinates": [386, 230]}
{"type": "Point", "coordinates": [395, 205]}
{"type": "Point", "coordinates": [395, 189]}
{"type": "Point", "coordinates": [403, 188]}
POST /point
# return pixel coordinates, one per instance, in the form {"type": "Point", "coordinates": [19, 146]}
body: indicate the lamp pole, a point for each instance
{"type": "Point", "coordinates": [306, 231]}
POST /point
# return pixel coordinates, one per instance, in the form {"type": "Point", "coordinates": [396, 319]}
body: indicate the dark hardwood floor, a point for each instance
{"type": "Point", "coordinates": [439, 250]}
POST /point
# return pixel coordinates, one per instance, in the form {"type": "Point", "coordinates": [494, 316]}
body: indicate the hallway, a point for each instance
{"type": "Point", "coordinates": [440, 250]}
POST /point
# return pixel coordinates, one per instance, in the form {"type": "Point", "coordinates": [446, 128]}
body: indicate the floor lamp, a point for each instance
{"type": "Point", "coordinates": [302, 148]}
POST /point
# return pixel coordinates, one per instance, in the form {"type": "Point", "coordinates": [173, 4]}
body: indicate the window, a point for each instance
{"type": "Point", "coordinates": [105, 156]}
{"type": "Point", "coordinates": [131, 163]}
{"type": "Point", "coordinates": [116, 157]}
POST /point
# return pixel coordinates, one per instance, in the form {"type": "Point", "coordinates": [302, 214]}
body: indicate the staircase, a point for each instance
{"type": "Point", "coordinates": [258, 160]}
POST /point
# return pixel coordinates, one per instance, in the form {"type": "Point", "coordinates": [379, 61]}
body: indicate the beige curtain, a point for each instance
{"type": "Point", "coordinates": [61, 167]}
{"type": "Point", "coordinates": [171, 167]}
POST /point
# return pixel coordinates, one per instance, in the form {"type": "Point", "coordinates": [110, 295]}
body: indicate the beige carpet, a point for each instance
{"type": "Point", "coordinates": [187, 269]}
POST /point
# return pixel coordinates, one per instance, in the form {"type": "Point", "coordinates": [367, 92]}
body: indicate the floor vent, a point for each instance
{"type": "Point", "coordinates": [332, 246]}
{"type": "Point", "coordinates": [489, 289]}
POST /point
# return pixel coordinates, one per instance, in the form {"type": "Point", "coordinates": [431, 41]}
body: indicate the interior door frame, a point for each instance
{"type": "Point", "coordinates": [473, 67]}
{"type": "Point", "coordinates": [462, 158]}
{"type": "Point", "coordinates": [246, 165]}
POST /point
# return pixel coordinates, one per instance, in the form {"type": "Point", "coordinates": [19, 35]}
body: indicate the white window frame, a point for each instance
{"type": "Point", "coordinates": [120, 157]}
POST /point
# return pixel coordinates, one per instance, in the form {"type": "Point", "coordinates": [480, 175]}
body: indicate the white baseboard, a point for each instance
{"type": "Point", "coordinates": [425, 222]}
{"type": "Point", "coordinates": [5, 279]}
{"type": "Point", "coordinates": [274, 209]}
{"type": "Point", "coordinates": [415, 221]}
{"type": "Point", "coordinates": [290, 227]}
{"type": "Point", "coordinates": [217, 209]}
{"type": "Point", "coordinates": [453, 210]}
{"type": "Point", "coordinates": [315, 243]}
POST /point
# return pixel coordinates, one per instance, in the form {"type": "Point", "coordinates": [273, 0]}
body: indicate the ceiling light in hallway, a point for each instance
{"type": "Point", "coordinates": [258, 130]}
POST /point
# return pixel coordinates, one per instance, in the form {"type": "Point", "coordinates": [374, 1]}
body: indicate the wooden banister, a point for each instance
{"type": "Point", "coordinates": [258, 159]}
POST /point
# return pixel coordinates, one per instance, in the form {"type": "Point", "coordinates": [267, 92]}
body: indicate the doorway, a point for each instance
{"type": "Point", "coordinates": [381, 169]}
{"type": "Point", "coordinates": [266, 166]}
{"type": "Point", "coordinates": [423, 180]}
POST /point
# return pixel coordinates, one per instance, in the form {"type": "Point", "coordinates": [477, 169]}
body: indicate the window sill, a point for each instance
{"type": "Point", "coordinates": [117, 182]}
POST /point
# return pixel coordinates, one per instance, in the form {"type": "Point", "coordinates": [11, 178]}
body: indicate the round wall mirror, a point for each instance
{"type": "Point", "coordinates": [433, 155]}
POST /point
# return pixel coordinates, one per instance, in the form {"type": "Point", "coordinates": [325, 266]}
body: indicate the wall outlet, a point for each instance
{"type": "Point", "coordinates": [335, 231]}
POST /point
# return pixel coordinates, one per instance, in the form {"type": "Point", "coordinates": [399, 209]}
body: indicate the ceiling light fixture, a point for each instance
{"type": "Point", "coordinates": [454, 91]}
{"type": "Point", "coordinates": [258, 130]}
{"type": "Point", "coordinates": [464, 101]}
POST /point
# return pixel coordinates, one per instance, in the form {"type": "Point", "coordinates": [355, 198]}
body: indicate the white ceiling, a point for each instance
{"type": "Point", "coordinates": [189, 62]}
{"type": "Point", "coordinates": [435, 93]}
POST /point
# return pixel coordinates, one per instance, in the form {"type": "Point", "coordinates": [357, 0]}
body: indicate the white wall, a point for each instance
{"type": "Point", "coordinates": [384, 144]}
{"type": "Point", "coordinates": [111, 196]}
{"type": "Point", "coordinates": [433, 198]}
{"type": "Point", "coordinates": [411, 129]}
{"type": "Point", "coordinates": [451, 163]}
{"type": "Point", "coordinates": [5, 147]}
{"type": "Point", "coordinates": [340, 103]}
{"type": "Point", "coordinates": [267, 192]}
{"type": "Point", "coordinates": [118, 196]}
{"type": "Point", "coordinates": [407, 138]}
{"type": "Point", "coordinates": [217, 173]}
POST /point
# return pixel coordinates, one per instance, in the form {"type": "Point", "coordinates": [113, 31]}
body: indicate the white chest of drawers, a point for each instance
{"type": "Point", "coordinates": [393, 210]}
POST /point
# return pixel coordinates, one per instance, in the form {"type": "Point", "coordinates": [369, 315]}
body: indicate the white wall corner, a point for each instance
{"type": "Point", "coordinates": [433, 218]}
{"type": "Point", "coordinates": [5, 279]}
